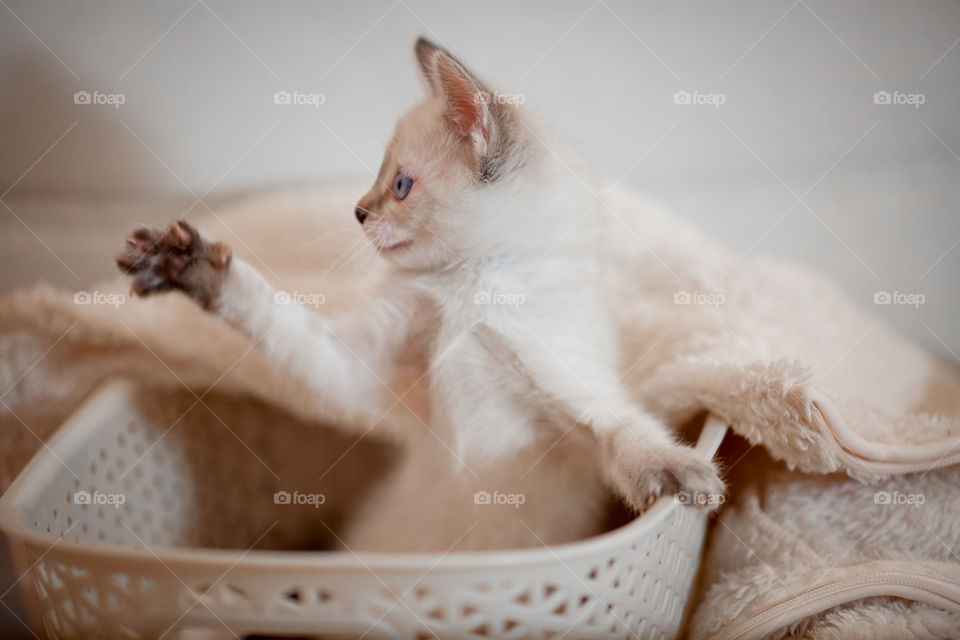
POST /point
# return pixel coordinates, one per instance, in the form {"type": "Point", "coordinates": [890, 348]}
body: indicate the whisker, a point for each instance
{"type": "Point", "coordinates": [326, 235]}
{"type": "Point", "coordinates": [365, 262]}
{"type": "Point", "coordinates": [360, 251]}
{"type": "Point", "coordinates": [355, 250]}
{"type": "Point", "coordinates": [374, 258]}
{"type": "Point", "coordinates": [346, 253]}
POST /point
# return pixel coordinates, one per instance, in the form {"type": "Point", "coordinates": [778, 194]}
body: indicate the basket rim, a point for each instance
{"type": "Point", "coordinates": [70, 435]}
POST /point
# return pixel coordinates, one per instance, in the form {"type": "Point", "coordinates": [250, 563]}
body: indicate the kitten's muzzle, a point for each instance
{"type": "Point", "coordinates": [361, 214]}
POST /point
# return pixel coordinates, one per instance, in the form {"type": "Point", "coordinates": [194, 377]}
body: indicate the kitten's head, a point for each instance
{"type": "Point", "coordinates": [435, 198]}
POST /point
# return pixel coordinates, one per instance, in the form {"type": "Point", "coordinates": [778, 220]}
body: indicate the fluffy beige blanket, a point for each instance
{"type": "Point", "coordinates": [842, 524]}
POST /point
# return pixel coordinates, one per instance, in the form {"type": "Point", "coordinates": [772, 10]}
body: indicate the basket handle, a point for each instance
{"type": "Point", "coordinates": [712, 434]}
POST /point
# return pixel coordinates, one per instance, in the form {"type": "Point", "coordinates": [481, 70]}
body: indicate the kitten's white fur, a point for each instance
{"type": "Point", "coordinates": [494, 283]}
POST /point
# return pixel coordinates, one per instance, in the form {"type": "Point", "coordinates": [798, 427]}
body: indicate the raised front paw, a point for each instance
{"type": "Point", "coordinates": [178, 258]}
{"type": "Point", "coordinates": [643, 471]}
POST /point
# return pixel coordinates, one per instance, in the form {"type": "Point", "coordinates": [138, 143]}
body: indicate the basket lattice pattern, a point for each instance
{"type": "Point", "coordinates": [151, 572]}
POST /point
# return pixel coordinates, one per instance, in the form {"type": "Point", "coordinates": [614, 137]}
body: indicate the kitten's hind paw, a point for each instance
{"type": "Point", "coordinates": [642, 472]}
{"type": "Point", "coordinates": [177, 258]}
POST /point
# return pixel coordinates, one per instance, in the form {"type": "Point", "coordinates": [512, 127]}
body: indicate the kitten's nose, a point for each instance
{"type": "Point", "coordinates": [361, 214]}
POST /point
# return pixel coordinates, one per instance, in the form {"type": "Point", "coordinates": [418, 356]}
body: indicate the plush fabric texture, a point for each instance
{"type": "Point", "coordinates": [800, 556]}
{"type": "Point", "coordinates": [841, 406]}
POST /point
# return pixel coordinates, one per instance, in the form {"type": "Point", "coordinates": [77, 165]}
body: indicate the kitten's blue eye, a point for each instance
{"type": "Point", "coordinates": [402, 185]}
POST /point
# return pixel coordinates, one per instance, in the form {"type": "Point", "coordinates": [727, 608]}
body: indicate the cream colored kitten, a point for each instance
{"type": "Point", "coordinates": [491, 284]}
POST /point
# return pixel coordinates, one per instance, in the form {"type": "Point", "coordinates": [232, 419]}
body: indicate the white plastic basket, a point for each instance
{"type": "Point", "coordinates": [173, 561]}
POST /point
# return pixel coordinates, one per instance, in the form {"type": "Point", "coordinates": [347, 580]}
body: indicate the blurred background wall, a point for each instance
{"type": "Point", "coordinates": [818, 131]}
{"type": "Point", "coordinates": [783, 147]}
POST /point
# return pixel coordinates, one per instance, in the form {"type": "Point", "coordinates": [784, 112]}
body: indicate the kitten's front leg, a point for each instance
{"type": "Point", "coordinates": [642, 461]}
{"type": "Point", "coordinates": [346, 367]}
{"type": "Point", "coordinates": [641, 458]}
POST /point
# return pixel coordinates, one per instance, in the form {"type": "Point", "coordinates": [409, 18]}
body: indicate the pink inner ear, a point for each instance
{"type": "Point", "coordinates": [465, 109]}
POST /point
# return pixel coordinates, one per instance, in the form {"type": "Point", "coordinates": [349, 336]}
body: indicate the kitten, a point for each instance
{"type": "Point", "coordinates": [492, 280]}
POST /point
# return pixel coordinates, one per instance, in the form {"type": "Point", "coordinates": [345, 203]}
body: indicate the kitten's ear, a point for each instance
{"type": "Point", "coordinates": [425, 51]}
{"type": "Point", "coordinates": [467, 111]}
